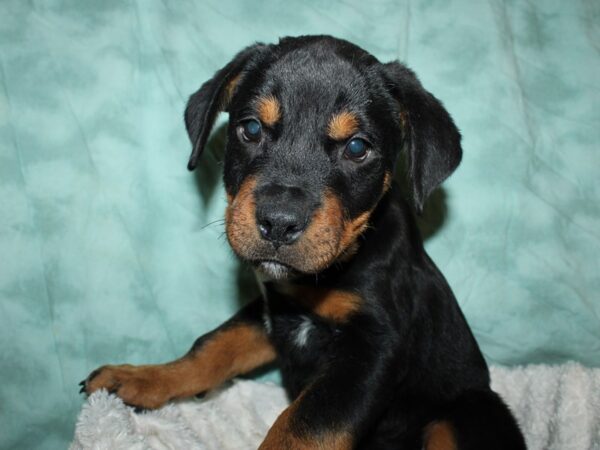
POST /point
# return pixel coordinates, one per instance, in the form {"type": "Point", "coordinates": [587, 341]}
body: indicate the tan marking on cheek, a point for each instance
{"type": "Point", "coordinates": [439, 436]}
{"type": "Point", "coordinates": [318, 246]}
{"type": "Point", "coordinates": [269, 110]}
{"type": "Point", "coordinates": [329, 236]}
{"type": "Point", "coordinates": [240, 218]}
{"type": "Point", "coordinates": [353, 229]}
{"type": "Point", "coordinates": [348, 252]}
{"type": "Point", "coordinates": [342, 126]}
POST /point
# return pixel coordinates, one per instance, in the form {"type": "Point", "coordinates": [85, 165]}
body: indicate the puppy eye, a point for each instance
{"type": "Point", "coordinates": [250, 130]}
{"type": "Point", "coordinates": [356, 149]}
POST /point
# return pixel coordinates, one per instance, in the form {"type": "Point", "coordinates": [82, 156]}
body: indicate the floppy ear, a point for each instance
{"type": "Point", "coordinates": [434, 149]}
{"type": "Point", "coordinates": [213, 97]}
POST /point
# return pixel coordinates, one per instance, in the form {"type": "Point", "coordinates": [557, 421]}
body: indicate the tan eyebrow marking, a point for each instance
{"type": "Point", "coordinates": [230, 88]}
{"type": "Point", "coordinates": [269, 111]}
{"type": "Point", "coordinates": [342, 125]}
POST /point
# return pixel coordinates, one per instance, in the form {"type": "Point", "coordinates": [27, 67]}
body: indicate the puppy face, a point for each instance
{"type": "Point", "coordinates": [315, 128]}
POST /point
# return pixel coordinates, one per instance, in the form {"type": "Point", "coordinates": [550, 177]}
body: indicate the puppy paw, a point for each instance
{"type": "Point", "coordinates": [143, 387]}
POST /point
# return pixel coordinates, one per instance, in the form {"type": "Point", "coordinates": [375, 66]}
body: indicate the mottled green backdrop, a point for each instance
{"type": "Point", "coordinates": [109, 249]}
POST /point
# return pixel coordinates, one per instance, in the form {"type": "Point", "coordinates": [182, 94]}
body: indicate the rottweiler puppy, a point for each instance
{"type": "Point", "coordinates": [373, 348]}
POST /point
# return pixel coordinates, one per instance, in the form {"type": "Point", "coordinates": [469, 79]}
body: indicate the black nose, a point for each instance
{"type": "Point", "coordinates": [282, 213]}
{"type": "Point", "coordinates": [280, 227]}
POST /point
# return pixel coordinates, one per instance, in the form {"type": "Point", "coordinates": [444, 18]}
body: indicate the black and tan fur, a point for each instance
{"type": "Point", "coordinates": [373, 348]}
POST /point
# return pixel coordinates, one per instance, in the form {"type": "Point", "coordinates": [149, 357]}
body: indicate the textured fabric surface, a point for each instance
{"type": "Point", "coordinates": [558, 408]}
{"type": "Point", "coordinates": [110, 251]}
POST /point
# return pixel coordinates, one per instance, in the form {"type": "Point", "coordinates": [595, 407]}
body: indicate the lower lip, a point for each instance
{"type": "Point", "coordinates": [273, 268]}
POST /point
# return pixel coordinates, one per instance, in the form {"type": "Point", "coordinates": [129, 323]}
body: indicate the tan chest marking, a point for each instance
{"type": "Point", "coordinates": [333, 304]}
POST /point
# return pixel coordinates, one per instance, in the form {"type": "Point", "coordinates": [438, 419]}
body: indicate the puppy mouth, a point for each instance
{"type": "Point", "coordinates": [324, 238]}
{"type": "Point", "coordinates": [274, 270]}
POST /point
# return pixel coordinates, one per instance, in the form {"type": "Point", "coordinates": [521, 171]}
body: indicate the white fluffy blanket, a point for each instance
{"type": "Point", "coordinates": [558, 407]}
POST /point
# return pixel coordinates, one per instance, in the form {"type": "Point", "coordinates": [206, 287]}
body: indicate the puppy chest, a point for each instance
{"type": "Point", "coordinates": [299, 337]}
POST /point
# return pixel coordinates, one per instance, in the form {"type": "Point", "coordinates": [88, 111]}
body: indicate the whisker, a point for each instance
{"type": "Point", "coordinates": [218, 221]}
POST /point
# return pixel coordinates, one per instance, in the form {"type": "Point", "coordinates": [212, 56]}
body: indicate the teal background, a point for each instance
{"type": "Point", "coordinates": [110, 251]}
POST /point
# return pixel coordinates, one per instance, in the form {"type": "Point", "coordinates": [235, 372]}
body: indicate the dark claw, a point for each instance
{"type": "Point", "coordinates": [136, 409]}
{"type": "Point", "coordinates": [93, 375]}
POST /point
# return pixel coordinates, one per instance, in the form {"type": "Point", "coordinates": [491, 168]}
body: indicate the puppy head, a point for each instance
{"type": "Point", "coordinates": [315, 128]}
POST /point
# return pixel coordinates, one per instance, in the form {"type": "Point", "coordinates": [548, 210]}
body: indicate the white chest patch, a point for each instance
{"type": "Point", "coordinates": [303, 332]}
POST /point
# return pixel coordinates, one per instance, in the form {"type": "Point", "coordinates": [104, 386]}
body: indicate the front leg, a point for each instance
{"type": "Point", "coordinates": [343, 401]}
{"type": "Point", "coordinates": [236, 347]}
